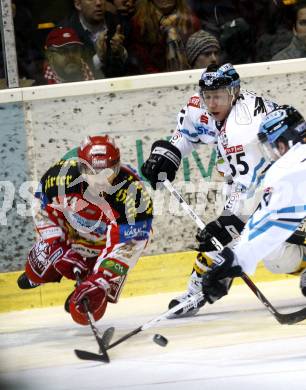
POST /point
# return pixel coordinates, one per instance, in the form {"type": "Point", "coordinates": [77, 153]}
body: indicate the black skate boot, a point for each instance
{"type": "Point", "coordinates": [67, 303]}
{"type": "Point", "coordinates": [25, 283]}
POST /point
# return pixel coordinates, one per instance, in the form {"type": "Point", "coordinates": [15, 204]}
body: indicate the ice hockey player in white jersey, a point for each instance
{"type": "Point", "coordinates": [223, 115]}
{"type": "Point", "coordinates": [281, 212]}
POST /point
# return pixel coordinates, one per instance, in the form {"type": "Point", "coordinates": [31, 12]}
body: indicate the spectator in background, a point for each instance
{"type": "Point", "coordinates": [124, 7]}
{"type": "Point", "coordinates": [160, 29]}
{"type": "Point", "coordinates": [125, 10]}
{"type": "Point", "coordinates": [202, 49]}
{"type": "Point", "coordinates": [297, 46]}
{"type": "Point", "coordinates": [273, 30]}
{"type": "Point", "coordinates": [227, 20]}
{"type": "Point", "coordinates": [213, 14]}
{"type": "Point", "coordinates": [236, 41]}
{"type": "Point", "coordinates": [100, 32]}
{"type": "Point", "coordinates": [64, 58]}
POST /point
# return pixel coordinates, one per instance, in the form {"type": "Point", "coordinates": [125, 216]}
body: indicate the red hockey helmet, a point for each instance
{"type": "Point", "coordinates": [99, 152]}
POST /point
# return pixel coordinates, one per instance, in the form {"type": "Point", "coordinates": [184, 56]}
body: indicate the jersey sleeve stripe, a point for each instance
{"type": "Point", "coordinates": [291, 209]}
{"type": "Point", "coordinates": [269, 224]}
{"type": "Point", "coordinates": [256, 169]}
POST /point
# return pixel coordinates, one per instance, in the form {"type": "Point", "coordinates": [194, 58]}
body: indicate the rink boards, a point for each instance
{"type": "Point", "coordinates": [151, 275]}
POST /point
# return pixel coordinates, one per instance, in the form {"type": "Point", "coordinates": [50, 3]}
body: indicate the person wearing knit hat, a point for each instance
{"type": "Point", "coordinates": [64, 57]}
{"type": "Point", "coordinates": [202, 49]}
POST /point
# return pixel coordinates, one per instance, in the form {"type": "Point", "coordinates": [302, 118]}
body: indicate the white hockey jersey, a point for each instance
{"type": "Point", "coordinates": [240, 157]}
{"type": "Point", "coordinates": [281, 210]}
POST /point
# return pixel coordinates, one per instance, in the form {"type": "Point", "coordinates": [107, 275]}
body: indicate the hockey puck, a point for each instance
{"type": "Point", "coordinates": [160, 340]}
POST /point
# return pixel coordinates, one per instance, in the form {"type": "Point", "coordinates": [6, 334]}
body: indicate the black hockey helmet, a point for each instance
{"type": "Point", "coordinates": [215, 77]}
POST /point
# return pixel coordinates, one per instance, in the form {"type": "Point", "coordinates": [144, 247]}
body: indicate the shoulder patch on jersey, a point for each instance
{"type": "Point", "coordinates": [139, 231]}
{"type": "Point", "coordinates": [60, 176]}
{"type": "Point", "coordinates": [204, 119]}
{"type": "Point", "coordinates": [194, 101]}
{"type": "Point", "coordinates": [176, 136]}
{"type": "Point", "coordinates": [130, 199]}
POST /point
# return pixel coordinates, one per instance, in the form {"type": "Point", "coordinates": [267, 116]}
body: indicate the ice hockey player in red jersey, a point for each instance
{"type": "Point", "coordinates": [94, 215]}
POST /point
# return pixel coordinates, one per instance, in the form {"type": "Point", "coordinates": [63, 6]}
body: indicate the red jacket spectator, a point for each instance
{"type": "Point", "coordinates": [158, 37]}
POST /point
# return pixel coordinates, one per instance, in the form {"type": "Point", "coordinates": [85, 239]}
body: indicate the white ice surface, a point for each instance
{"type": "Point", "coordinates": [234, 344]}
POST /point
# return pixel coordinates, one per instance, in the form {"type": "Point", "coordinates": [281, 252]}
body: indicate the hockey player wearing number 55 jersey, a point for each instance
{"type": "Point", "coordinates": [93, 214]}
{"type": "Point", "coordinates": [276, 230]}
{"type": "Point", "coordinates": [229, 118]}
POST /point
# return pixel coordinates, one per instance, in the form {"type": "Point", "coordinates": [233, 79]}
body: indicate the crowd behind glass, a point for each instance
{"type": "Point", "coordinates": [73, 40]}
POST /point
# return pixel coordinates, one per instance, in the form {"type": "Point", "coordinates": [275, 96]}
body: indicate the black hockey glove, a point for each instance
{"type": "Point", "coordinates": [217, 281]}
{"type": "Point", "coordinates": [162, 163]}
{"type": "Point", "coordinates": [224, 229]}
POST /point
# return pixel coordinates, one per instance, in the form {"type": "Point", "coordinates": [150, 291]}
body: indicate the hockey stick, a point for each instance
{"type": "Point", "coordinates": [154, 321]}
{"type": "Point", "coordinates": [104, 340]}
{"type": "Point", "coordinates": [85, 355]}
{"type": "Point", "coordinates": [290, 318]}
{"type": "Point", "coordinates": [108, 334]}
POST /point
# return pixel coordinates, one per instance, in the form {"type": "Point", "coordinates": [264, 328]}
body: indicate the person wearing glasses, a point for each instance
{"type": "Point", "coordinates": [65, 62]}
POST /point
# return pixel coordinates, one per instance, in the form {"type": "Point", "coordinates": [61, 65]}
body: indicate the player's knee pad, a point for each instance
{"type": "Point", "coordinates": [39, 266]}
{"type": "Point", "coordinates": [285, 259]}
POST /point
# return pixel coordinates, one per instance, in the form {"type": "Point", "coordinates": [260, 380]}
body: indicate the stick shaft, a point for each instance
{"type": "Point", "coordinates": [90, 318]}
{"type": "Point", "coordinates": [154, 321]}
{"type": "Point", "coordinates": [290, 318]}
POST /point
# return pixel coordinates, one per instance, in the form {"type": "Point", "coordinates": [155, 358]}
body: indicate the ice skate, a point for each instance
{"type": "Point", "coordinates": [25, 283]}
{"type": "Point", "coordinates": [191, 309]}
